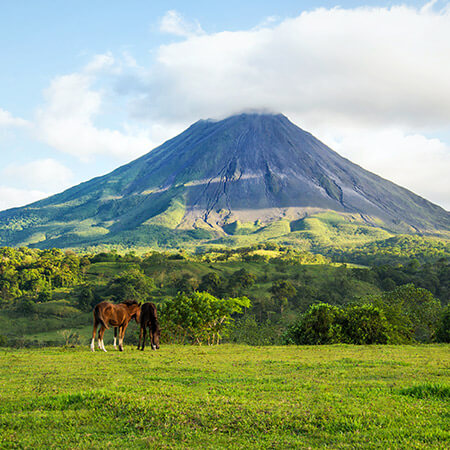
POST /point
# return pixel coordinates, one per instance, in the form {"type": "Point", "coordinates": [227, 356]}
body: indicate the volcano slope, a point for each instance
{"type": "Point", "coordinates": [247, 178]}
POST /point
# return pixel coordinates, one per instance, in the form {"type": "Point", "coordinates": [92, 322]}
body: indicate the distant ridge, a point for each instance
{"type": "Point", "coordinates": [218, 177]}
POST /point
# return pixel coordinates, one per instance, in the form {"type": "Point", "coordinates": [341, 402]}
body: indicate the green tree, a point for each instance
{"type": "Point", "coordinates": [200, 316]}
{"type": "Point", "coordinates": [412, 312]}
{"type": "Point", "coordinates": [132, 284]}
{"type": "Point", "coordinates": [86, 298]}
{"type": "Point", "coordinates": [443, 329]}
{"type": "Point", "coordinates": [240, 280]}
{"type": "Point", "coordinates": [321, 324]}
{"type": "Point", "coordinates": [282, 291]}
{"type": "Point", "coordinates": [212, 283]}
{"type": "Point", "coordinates": [364, 324]}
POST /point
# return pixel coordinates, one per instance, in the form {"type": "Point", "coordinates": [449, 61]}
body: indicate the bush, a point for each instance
{"type": "Point", "coordinates": [200, 316]}
{"type": "Point", "coordinates": [328, 324]}
{"type": "Point", "coordinates": [364, 324]}
{"type": "Point", "coordinates": [443, 331]}
{"type": "Point", "coordinates": [319, 325]}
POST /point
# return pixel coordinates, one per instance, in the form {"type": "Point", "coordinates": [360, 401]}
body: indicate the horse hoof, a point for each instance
{"type": "Point", "coordinates": [120, 349]}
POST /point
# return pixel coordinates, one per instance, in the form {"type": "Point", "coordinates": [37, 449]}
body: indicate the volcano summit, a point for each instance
{"type": "Point", "coordinates": [219, 179]}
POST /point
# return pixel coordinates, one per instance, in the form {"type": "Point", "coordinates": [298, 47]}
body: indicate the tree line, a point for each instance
{"type": "Point", "coordinates": [244, 297]}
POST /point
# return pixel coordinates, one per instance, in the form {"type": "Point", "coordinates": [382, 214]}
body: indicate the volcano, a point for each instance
{"type": "Point", "coordinates": [246, 172]}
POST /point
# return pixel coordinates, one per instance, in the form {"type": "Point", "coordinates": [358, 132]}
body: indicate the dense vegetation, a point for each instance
{"type": "Point", "coordinates": [227, 396]}
{"type": "Point", "coordinates": [47, 296]}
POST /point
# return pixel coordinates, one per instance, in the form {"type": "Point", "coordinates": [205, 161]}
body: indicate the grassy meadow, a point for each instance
{"type": "Point", "coordinates": [227, 396]}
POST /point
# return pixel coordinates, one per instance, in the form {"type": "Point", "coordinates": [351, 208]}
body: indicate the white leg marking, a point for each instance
{"type": "Point", "coordinates": [93, 345]}
{"type": "Point", "coordinates": [115, 345]}
{"type": "Point", "coordinates": [103, 346]}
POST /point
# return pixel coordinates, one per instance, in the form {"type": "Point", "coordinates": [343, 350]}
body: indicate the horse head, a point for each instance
{"type": "Point", "coordinates": [156, 335]}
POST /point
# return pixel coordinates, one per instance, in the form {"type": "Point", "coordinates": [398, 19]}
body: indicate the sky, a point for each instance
{"type": "Point", "coordinates": [86, 86]}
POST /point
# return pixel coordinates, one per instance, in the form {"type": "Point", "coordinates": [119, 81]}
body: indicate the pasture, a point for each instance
{"type": "Point", "coordinates": [227, 396]}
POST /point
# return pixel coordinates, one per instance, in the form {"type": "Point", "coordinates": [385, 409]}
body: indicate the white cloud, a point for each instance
{"type": "Point", "coordinates": [8, 120]}
{"type": "Point", "coordinates": [47, 174]}
{"type": "Point", "coordinates": [174, 23]}
{"type": "Point", "coordinates": [11, 197]}
{"type": "Point", "coordinates": [100, 63]}
{"type": "Point", "coordinates": [66, 121]}
{"type": "Point", "coordinates": [369, 65]}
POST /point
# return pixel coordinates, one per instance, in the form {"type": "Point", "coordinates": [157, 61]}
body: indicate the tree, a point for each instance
{"type": "Point", "coordinates": [132, 284]}
{"type": "Point", "coordinates": [412, 312]}
{"type": "Point", "coordinates": [364, 324]}
{"type": "Point", "coordinates": [200, 316]}
{"type": "Point", "coordinates": [321, 324]}
{"type": "Point", "coordinates": [86, 298]}
{"type": "Point", "coordinates": [212, 283]}
{"type": "Point", "coordinates": [282, 291]}
{"type": "Point", "coordinates": [443, 331]}
{"type": "Point", "coordinates": [241, 279]}
{"type": "Point", "coordinates": [186, 283]}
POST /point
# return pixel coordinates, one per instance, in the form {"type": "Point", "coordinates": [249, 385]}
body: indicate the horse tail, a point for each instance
{"type": "Point", "coordinates": [99, 318]}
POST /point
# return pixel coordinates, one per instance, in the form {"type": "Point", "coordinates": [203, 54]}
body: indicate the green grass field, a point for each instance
{"type": "Point", "coordinates": [228, 396]}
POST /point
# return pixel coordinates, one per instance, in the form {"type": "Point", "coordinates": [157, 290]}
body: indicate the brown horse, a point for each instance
{"type": "Point", "coordinates": [149, 318]}
{"type": "Point", "coordinates": [117, 315]}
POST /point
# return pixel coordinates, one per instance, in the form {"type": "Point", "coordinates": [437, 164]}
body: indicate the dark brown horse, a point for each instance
{"type": "Point", "coordinates": [149, 318]}
{"type": "Point", "coordinates": [117, 315]}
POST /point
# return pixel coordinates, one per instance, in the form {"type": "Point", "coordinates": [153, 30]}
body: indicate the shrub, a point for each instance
{"type": "Point", "coordinates": [319, 325]}
{"type": "Point", "coordinates": [443, 330]}
{"type": "Point", "coordinates": [364, 324]}
{"type": "Point", "coordinates": [200, 316]}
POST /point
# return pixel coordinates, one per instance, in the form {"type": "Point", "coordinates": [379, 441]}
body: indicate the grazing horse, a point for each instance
{"type": "Point", "coordinates": [149, 318]}
{"type": "Point", "coordinates": [117, 315]}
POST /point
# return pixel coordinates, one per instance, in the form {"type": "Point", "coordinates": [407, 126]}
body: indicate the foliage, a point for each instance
{"type": "Point", "coordinates": [201, 316]}
{"type": "Point", "coordinates": [328, 324]}
{"type": "Point", "coordinates": [364, 324]}
{"type": "Point", "coordinates": [443, 330]}
{"type": "Point", "coordinates": [132, 284]}
{"type": "Point", "coordinates": [35, 273]}
{"type": "Point", "coordinates": [413, 313]}
{"type": "Point", "coordinates": [321, 324]}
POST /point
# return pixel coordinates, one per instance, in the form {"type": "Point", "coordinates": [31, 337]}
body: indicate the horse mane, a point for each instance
{"type": "Point", "coordinates": [130, 302]}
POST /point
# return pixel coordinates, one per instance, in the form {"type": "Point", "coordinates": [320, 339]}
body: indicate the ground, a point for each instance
{"type": "Point", "coordinates": [228, 396]}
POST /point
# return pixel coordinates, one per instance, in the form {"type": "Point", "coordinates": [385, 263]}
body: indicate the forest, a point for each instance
{"type": "Point", "coordinates": [267, 294]}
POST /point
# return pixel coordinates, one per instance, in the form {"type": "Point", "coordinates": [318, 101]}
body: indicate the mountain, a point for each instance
{"type": "Point", "coordinates": [253, 175]}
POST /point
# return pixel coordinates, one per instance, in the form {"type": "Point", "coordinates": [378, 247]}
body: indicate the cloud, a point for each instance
{"type": "Point", "coordinates": [7, 120]}
{"type": "Point", "coordinates": [43, 174]}
{"type": "Point", "coordinates": [12, 197]}
{"type": "Point", "coordinates": [66, 120]}
{"type": "Point", "coordinates": [174, 23]}
{"type": "Point", "coordinates": [374, 66]}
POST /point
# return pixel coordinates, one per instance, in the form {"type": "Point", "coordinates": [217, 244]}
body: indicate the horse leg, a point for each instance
{"type": "Point", "coordinates": [122, 335]}
{"type": "Point", "coordinates": [100, 338]}
{"type": "Point", "coordinates": [140, 338]}
{"type": "Point", "coordinates": [145, 335]}
{"type": "Point", "coordinates": [93, 336]}
{"type": "Point", "coordinates": [115, 338]}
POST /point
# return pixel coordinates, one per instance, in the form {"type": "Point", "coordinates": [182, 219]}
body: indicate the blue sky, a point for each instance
{"type": "Point", "coordinates": [88, 85]}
